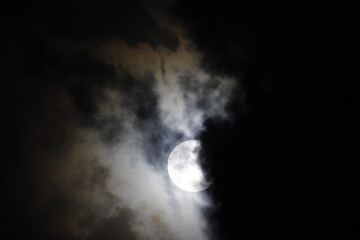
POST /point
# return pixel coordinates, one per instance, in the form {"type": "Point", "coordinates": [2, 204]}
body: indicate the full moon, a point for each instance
{"type": "Point", "coordinates": [184, 168]}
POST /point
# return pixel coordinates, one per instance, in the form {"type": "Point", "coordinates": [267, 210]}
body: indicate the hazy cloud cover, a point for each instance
{"type": "Point", "coordinates": [96, 94]}
{"type": "Point", "coordinates": [101, 117]}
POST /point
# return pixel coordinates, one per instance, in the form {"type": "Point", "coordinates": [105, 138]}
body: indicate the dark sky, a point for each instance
{"type": "Point", "coordinates": [288, 165]}
{"type": "Point", "coordinates": [283, 164]}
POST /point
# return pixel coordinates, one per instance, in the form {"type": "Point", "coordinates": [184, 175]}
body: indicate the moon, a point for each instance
{"type": "Point", "coordinates": [184, 168]}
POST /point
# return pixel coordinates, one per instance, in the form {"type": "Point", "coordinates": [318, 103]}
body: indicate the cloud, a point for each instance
{"type": "Point", "coordinates": [106, 116]}
{"type": "Point", "coordinates": [187, 95]}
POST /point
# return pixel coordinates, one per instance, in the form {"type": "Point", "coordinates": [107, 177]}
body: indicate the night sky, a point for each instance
{"type": "Point", "coordinates": [96, 94]}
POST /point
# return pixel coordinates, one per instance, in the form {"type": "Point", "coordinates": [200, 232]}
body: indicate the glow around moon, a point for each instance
{"type": "Point", "coordinates": [184, 168]}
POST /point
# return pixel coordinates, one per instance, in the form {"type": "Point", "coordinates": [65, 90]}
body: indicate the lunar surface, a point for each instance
{"type": "Point", "coordinates": [184, 168]}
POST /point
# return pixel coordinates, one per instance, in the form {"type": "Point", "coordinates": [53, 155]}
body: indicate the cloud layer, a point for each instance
{"type": "Point", "coordinates": [106, 114]}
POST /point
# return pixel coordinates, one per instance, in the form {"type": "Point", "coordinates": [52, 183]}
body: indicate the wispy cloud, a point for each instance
{"type": "Point", "coordinates": [109, 174]}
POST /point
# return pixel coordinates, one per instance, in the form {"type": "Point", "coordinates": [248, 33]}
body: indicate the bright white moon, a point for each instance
{"type": "Point", "coordinates": [184, 168]}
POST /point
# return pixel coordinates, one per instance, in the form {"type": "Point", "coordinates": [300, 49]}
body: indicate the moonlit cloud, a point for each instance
{"type": "Point", "coordinates": [110, 174]}
{"type": "Point", "coordinates": [187, 95]}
